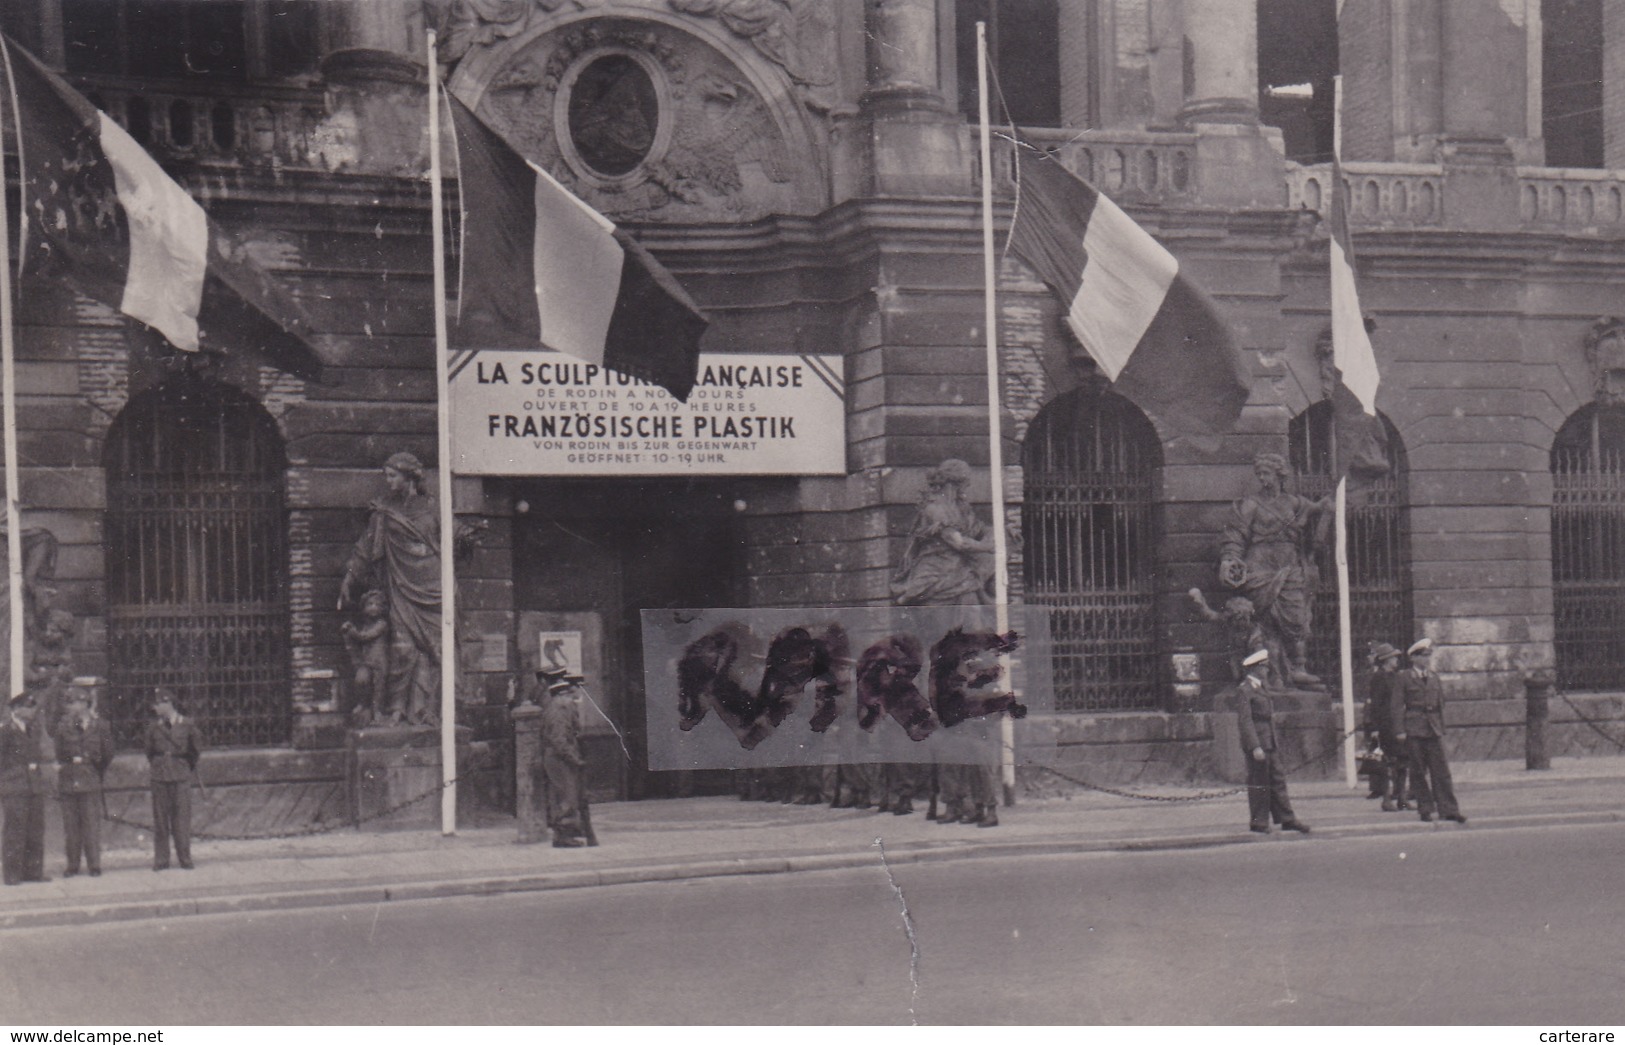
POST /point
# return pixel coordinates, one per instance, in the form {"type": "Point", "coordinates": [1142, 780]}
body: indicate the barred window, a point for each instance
{"type": "Point", "coordinates": [197, 562]}
{"type": "Point", "coordinates": [1588, 549]}
{"type": "Point", "coordinates": [1380, 601]}
{"type": "Point", "coordinates": [1091, 529]}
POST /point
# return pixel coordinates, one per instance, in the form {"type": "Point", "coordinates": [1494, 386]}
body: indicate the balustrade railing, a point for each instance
{"type": "Point", "coordinates": [259, 125]}
{"type": "Point", "coordinates": [1412, 195]}
{"type": "Point", "coordinates": [1132, 166]}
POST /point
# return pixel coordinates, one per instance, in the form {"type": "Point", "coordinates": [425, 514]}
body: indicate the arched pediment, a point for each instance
{"type": "Point", "coordinates": [651, 113]}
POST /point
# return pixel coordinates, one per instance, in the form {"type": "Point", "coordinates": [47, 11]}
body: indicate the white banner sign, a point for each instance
{"type": "Point", "coordinates": [542, 413]}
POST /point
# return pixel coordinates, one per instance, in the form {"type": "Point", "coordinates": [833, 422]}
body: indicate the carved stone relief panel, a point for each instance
{"type": "Point", "coordinates": [645, 121]}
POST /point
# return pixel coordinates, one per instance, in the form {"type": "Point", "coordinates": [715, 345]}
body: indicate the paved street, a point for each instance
{"type": "Point", "coordinates": [1511, 926]}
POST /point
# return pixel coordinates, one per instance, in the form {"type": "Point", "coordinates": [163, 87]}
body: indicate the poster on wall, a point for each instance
{"type": "Point", "coordinates": [543, 413]}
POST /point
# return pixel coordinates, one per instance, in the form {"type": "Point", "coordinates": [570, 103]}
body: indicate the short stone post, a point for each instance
{"type": "Point", "coordinates": [529, 796]}
{"type": "Point", "coordinates": [1537, 700]}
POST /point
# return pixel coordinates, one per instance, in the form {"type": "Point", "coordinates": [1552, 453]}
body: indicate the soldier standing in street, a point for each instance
{"type": "Point", "coordinates": [1266, 783]}
{"type": "Point", "coordinates": [172, 754]}
{"type": "Point", "coordinates": [562, 762]}
{"type": "Point", "coordinates": [1387, 781]}
{"type": "Point", "coordinates": [22, 793]}
{"type": "Point", "coordinates": [1419, 724]}
{"type": "Point", "coordinates": [84, 750]}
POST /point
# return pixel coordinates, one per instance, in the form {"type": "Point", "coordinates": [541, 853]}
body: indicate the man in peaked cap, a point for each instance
{"type": "Point", "coordinates": [1266, 783]}
{"type": "Point", "coordinates": [1387, 778]}
{"type": "Point", "coordinates": [173, 745]}
{"type": "Point", "coordinates": [23, 788]}
{"type": "Point", "coordinates": [84, 750]}
{"type": "Point", "coordinates": [1418, 716]}
{"type": "Point", "coordinates": [562, 763]}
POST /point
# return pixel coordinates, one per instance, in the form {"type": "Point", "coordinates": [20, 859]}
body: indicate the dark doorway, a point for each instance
{"type": "Point", "coordinates": [608, 549]}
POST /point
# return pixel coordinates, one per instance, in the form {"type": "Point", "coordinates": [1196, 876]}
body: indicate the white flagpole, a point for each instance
{"type": "Point", "coordinates": [14, 529]}
{"type": "Point", "coordinates": [448, 523]}
{"type": "Point", "coordinates": [1345, 624]}
{"type": "Point", "coordinates": [1345, 638]}
{"type": "Point", "coordinates": [995, 454]}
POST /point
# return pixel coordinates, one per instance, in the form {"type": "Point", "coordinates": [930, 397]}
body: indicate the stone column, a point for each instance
{"type": "Point", "coordinates": [377, 78]}
{"type": "Point", "coordinates": [1613, 83]}
{"type": "Point", "coordinates": [380, 25]}
{"type": "Point", "coordinates": [1221, 62]}
{"type": "Point", "coordinates": [912, 143]}
{"type": "Point", "coordinates": [1242, 162]}
{"type": "Point", "coordinates": [902, 55]}
{"type": "Point", "coordinates": [1491, 60]}
{"type": "Point", "coordinates": [530, 794]}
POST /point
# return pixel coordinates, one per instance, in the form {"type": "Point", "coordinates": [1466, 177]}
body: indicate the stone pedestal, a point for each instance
{"type": "Point", "coordinates": [530, 797]}
{"type": "Point", "coordinates": [387, 766]}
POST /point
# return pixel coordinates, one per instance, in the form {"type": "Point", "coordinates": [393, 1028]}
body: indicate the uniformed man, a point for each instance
{"type": "Point", "coordinates": [173, 746]}
{"type": "Point", "coordinates": [1266, 783]}
{"type": "Point", "coordinates": [1388, 781]}
{"type": "Point", "coordinates": [1418, 714]}
{"type": "Point", "coordinates": [562, 762]}
{"type": "Point", "coordinates": [84, 750]}
{"type": "Point", "coordinates": [22, 793]}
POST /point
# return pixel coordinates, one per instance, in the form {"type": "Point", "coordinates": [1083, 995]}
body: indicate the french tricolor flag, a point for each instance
{"type": "Point", "coordinates": [1360, 435]}
{"type": "Point", "coordinates": [1149, 329]}
{"type": "Point", "coordinates": [540, 268]}
{"type": "Point", "coordinates": [98, 211]}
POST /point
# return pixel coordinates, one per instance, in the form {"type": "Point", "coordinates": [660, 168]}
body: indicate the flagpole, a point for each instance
{"type": "Point", "coordinates": [1345, 638]}
{"type": "Point", "coordinates": [448, 533]}
{"type": "Point", "coordinates": [14, 530]}
{"type": "Point", "coordinates": [1345, 622]}
{"type": "Point", "coordinates": [995, 449]}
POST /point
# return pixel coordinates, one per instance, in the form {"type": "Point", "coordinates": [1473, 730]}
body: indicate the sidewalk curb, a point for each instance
{"type": "Point", "coordinates": [400, 891]}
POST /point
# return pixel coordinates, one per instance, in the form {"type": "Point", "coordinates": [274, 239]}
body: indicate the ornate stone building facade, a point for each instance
{"type": "Point", "coordinates": [807, 170]}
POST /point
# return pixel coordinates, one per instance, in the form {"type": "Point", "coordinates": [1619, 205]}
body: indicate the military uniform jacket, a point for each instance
{"type": "Point", "coordinates": [1418, 704]}
{"type": "Point", "coordinates": [22, 767]}
{"type": "Point", "coordinates": [1255, 716]}
{"type": "Point", "coordinates": [83, 753]}
{"type": "Point", "coordinates": [561, 731]}
{"type": "Point", "coordinates": [172, 751]}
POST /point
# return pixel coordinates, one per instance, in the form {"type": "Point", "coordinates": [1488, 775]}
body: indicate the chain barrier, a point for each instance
{"type": "Point", "coordinates": [1583, 718]}
{"type": "Point", "coordinates": [299, 832]}
{"type": "Point", "coordinates": [1196, 796]}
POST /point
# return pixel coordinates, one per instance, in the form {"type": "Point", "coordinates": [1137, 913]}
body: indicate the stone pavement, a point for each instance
{"type": "Point", "coordinates": [710, 837]}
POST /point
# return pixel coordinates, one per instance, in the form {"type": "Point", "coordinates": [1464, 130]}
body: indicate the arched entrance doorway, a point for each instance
{"type": "Point", "coordinates": [1379, 554]}
{"type": "Point", "coordinates": [1588, 549]}
{"type": "Point", "coordinates": [197, 562]}
{"type": "Point", "coordinates": [1090, 525]}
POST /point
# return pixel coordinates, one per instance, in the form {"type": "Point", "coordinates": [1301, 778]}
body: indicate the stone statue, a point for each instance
{"type": "Point", "coordinates": [399, 554]}
{"type": "Point", "coordinates": [1243, 636]}
{"type": "Point", "coordinates": [949, 561]}
{"type": "Point", "coordinates": [1266, 554]}
{"type": "Point", "coordinates": [47, 631]}
{"type": "Point", "coordinates": [368, 646]}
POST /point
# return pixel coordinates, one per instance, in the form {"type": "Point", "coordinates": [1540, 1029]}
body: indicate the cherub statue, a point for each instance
{"type": "Point", "coordinates": [1243, 635]}
{"type": "Point", "coordinates": [368, 646]}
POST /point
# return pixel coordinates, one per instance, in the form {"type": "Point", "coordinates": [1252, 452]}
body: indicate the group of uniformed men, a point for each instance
{"type": "Point", "coordinates": [80, 744]}
{"type": "Point", "coordinates": [1404, 719]}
